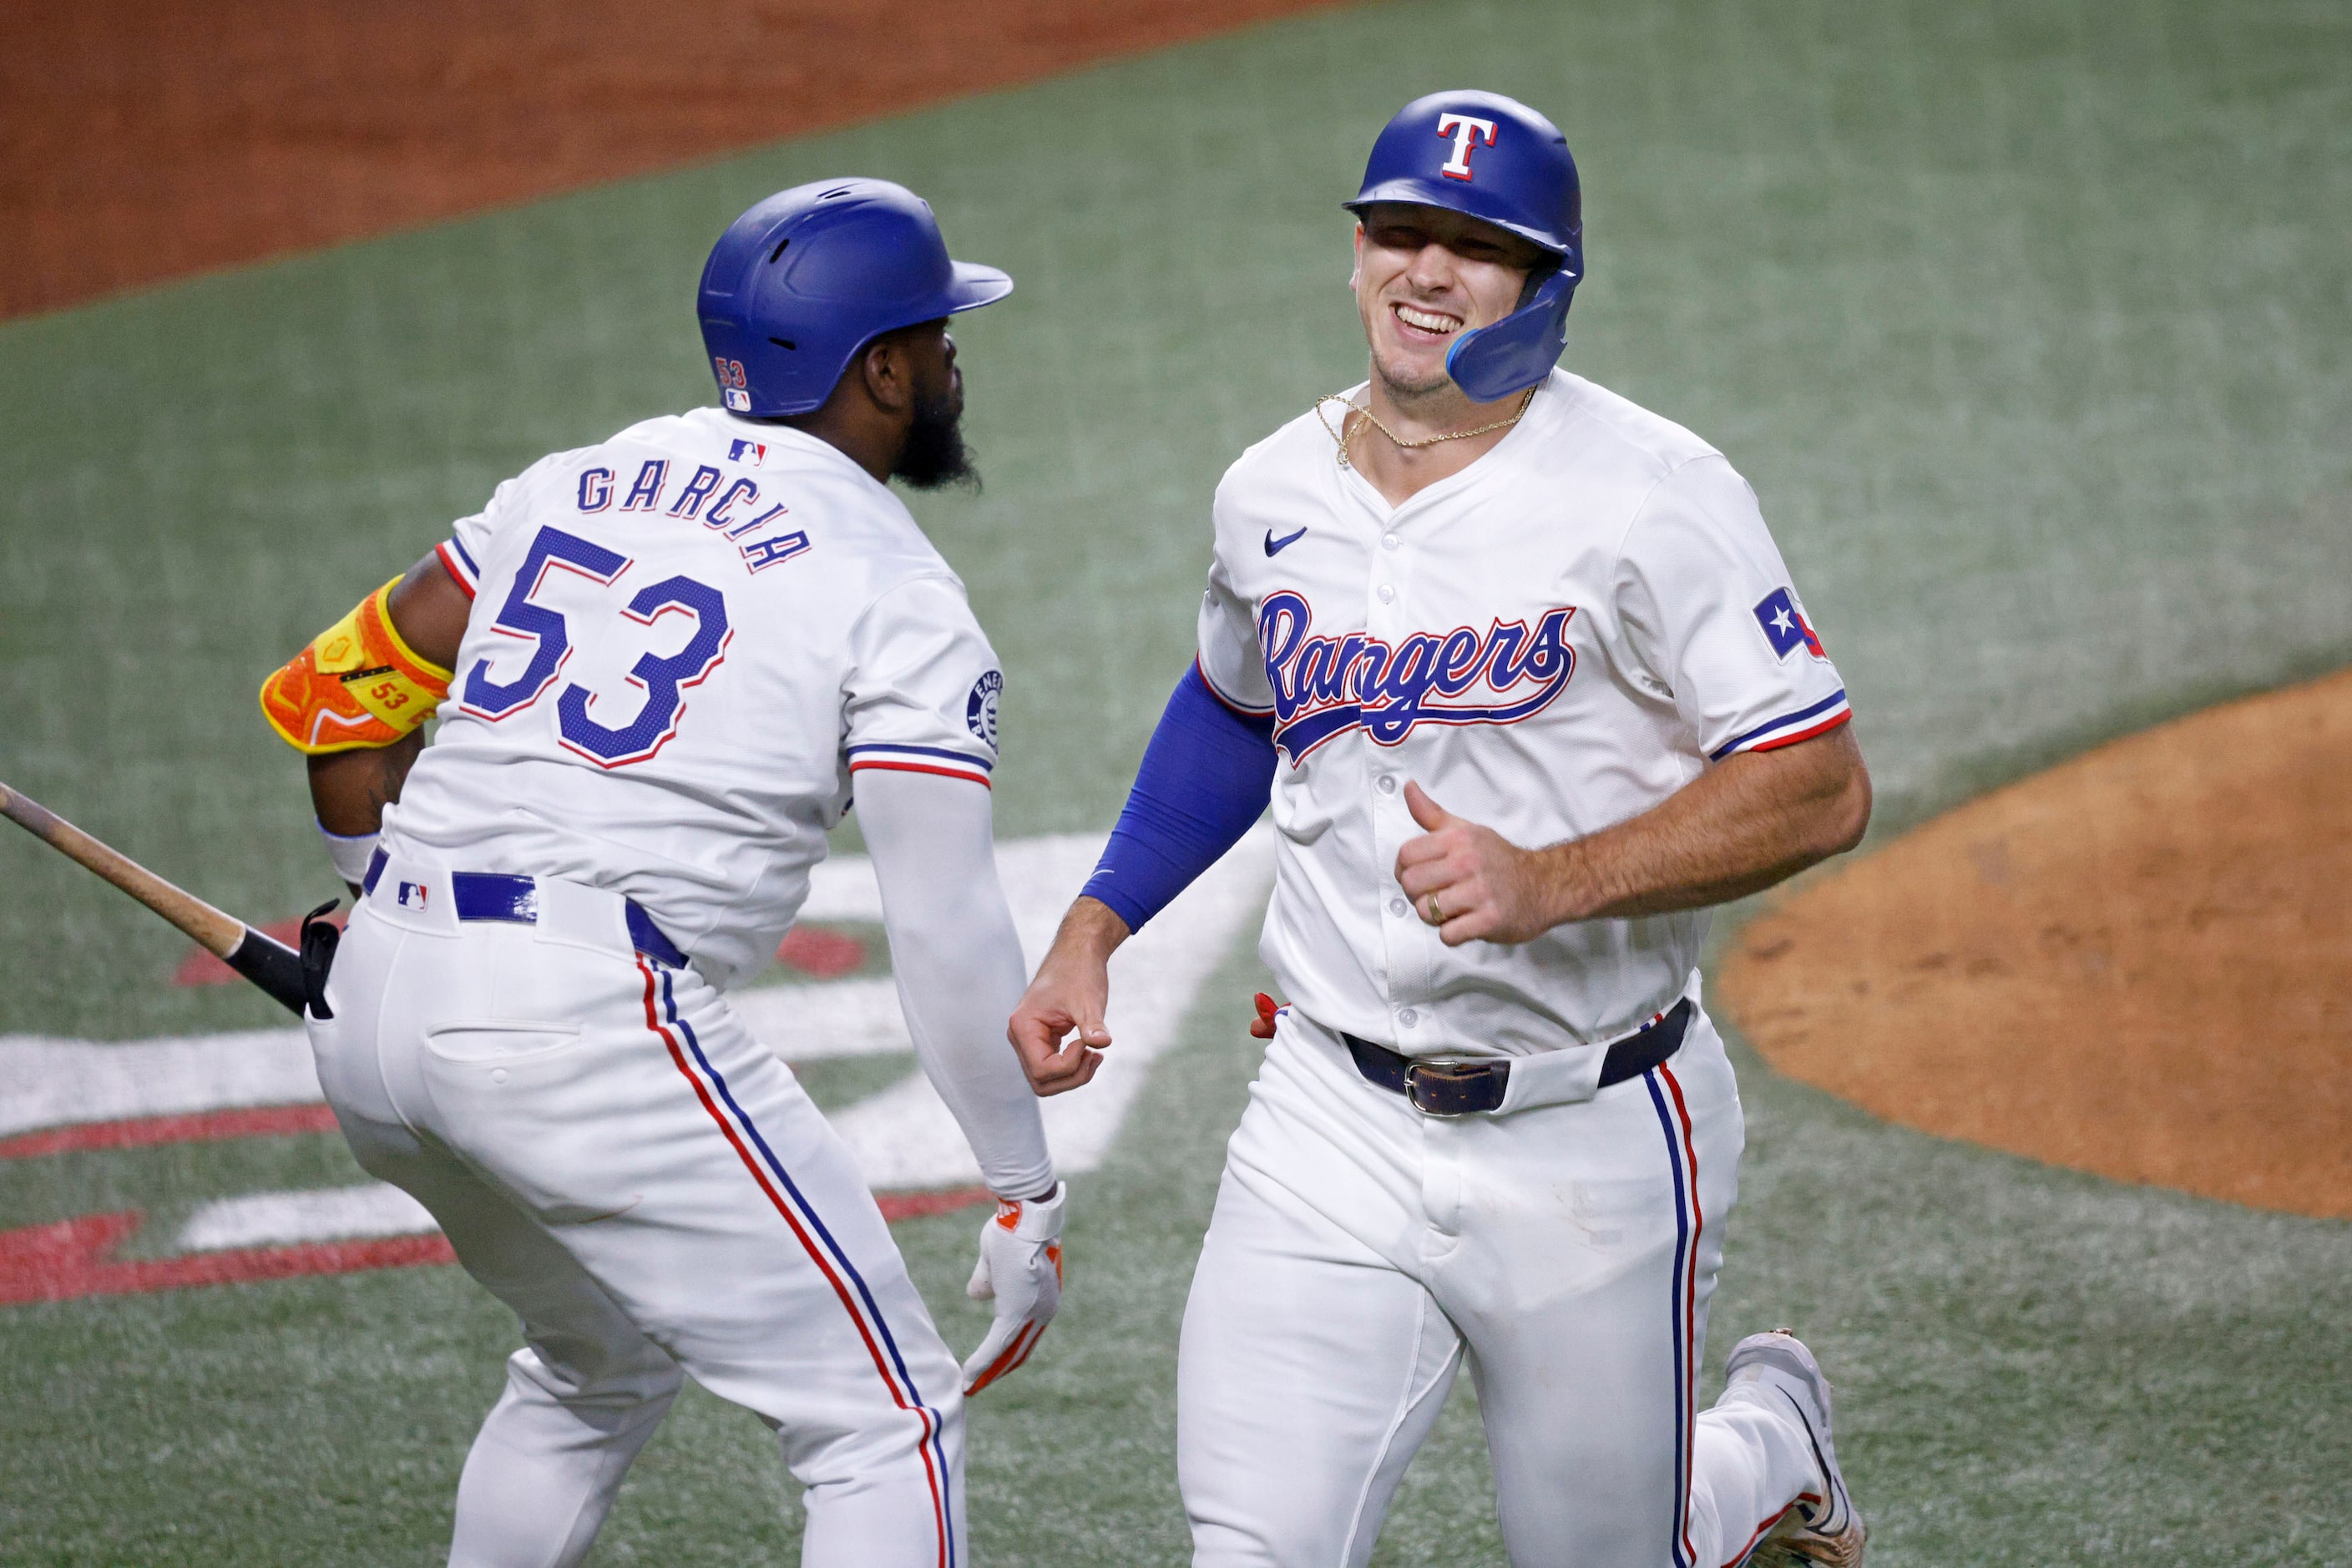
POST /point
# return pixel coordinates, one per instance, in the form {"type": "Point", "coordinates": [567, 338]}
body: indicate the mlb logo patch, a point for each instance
{"type": "Point", "coordinates": [752, 452]}
{"type": "Point", "coordinates": [1785, 627]}
{"type": "Point", "coordinates": [738, 400]}
{"type": "Point", "coordinates": [411, 896]}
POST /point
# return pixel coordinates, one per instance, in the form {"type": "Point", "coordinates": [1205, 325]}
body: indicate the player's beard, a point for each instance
{"type": "Point", "coordinates": [935, 455]}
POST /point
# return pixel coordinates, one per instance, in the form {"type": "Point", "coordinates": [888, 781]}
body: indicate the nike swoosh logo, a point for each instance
{"type": "Point", "coordinates": [1276, 546]}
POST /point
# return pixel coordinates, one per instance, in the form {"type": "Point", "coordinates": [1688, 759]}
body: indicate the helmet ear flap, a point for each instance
{"type": "Point", "coordinates": [1537, 278]}
{"type": "Point", "coordinates": [1510, 355]}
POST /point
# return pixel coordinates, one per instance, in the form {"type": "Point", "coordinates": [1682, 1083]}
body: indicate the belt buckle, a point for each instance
{"type": "Point", "coordinates": [1447, 1070]}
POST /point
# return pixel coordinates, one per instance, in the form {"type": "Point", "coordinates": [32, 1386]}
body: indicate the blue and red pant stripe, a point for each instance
{"type": "Point", "coordinates": [809, 1228]}
{"type": "Point", "coordinates": [1681, 1153]}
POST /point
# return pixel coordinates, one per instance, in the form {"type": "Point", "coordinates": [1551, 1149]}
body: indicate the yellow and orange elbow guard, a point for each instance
{"type": "Point", "coordinates": [357, 685]}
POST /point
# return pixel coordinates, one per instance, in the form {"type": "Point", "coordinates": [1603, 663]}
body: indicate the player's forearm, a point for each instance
{"type": "Point", "coordinates": [348, 790]}
{"type": "Point", "coordinates": [959, 964]}
{"type": "Point", "coordinates": [1090, 933]}
{"type": "Point", "coordinates": [1738, 828]}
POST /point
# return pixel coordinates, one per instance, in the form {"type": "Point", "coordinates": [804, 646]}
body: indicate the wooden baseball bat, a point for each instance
{"type": "Point", "coordinates": [267, 961]}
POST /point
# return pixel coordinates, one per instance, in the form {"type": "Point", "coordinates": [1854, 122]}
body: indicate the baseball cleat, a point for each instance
{"type": "Point", "coordinates": [1824, 1530]}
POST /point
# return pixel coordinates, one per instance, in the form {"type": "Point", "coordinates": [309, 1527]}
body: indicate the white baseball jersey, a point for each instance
{"type": "Point", "coordinates": [1552, 641]}
{"type": "Point", "coordinates": [703, 626]}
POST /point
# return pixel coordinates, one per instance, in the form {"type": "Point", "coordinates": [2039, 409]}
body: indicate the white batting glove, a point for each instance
{"type": "Point", "coordinates": [1020, 1269]}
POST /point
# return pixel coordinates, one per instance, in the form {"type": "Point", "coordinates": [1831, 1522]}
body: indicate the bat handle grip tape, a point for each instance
{"type": "Point", "coordinates": [273, 966]}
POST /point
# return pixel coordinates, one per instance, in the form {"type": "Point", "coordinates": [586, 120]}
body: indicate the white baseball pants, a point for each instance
{"type": "Point", "coordinates": [614, 1156]}
{"type": "Point", "coordinates": [1359, 1248]}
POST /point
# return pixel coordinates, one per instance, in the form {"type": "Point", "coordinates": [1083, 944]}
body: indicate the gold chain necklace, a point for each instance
{"type": "Point", "coordinates": [1340, 436]}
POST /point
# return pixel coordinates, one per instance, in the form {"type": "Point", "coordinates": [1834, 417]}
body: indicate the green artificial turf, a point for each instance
{"type": "Point", "coordinates": [2034, 1368]}
{"type": "Point", "coordinates": [2030, 322]}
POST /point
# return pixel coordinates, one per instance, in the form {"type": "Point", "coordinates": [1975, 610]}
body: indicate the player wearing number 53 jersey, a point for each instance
{"type": "Point", "coordinates": [1528, 688]}
{"type": "Point", "coordinates": [665, 666]}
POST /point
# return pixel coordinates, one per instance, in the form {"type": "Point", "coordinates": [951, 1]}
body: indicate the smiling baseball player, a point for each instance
{"type": "Point", "coordinates": [669, 662]}
{"type": "Point", "coordinates": [1530, 689]}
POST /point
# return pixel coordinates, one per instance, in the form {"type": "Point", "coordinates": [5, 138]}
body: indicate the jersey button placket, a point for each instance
{"type": "Point", "coordinates": [1412, 952]}
{"type": "Point", "coordinates": [1405, 972]}
{"type": "Point", "coordinates": [1395, 938]}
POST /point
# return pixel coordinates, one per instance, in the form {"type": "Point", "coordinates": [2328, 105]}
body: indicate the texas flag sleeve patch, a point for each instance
{"type": "Point", "coordinates": [1785, 627]}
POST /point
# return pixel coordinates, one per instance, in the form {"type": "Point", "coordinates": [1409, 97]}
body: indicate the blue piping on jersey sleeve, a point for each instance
{"type": "Point", "coordinates": [1206, 777]}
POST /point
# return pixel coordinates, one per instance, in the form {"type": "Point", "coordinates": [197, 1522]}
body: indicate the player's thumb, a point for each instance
{"type": "Point", "coordinates": [1425, 811]}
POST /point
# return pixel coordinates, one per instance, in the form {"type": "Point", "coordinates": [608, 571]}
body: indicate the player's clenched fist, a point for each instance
{"type": "Point", "coordinates": [1020, 1269]}
{"type": "Point", "coordinates": [1066, 1002]}
{"type": "Point", "coordinates": [1468, 881]}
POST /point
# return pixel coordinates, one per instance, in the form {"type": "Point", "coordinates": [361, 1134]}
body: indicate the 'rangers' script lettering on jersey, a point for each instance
{"type": "Point", "coordinates": [1327, 685]}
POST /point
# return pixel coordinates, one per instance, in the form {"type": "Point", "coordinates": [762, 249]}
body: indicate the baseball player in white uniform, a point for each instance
{"type": "Point", "coordinates": [665, 666]}
{"type": "Point", "coordinates": [1529, 688]}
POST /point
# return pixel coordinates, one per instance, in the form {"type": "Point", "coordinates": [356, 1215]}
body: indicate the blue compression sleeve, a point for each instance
{"type": "Point", "coordinates": [1207, 775]}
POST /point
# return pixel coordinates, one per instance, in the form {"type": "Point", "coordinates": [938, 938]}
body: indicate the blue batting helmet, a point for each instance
{"type": "Point", "coordinates": [1494, 158]}
{"type": "Point", "coordinates": [799, 283]}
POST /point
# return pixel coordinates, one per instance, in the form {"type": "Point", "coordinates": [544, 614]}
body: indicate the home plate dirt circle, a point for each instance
{"type": "Point", "coordinates": [2138, 964]}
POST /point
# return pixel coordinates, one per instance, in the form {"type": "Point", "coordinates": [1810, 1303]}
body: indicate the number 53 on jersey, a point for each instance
{"type": "Point", "coordinates": [599, 724]}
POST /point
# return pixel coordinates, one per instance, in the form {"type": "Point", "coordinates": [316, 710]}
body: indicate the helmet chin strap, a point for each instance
{"type": "Point", "coordinates": [1510, 355]}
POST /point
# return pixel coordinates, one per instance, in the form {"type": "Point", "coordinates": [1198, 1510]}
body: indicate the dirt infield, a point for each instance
{"type": "Point", "coordinates": [141, 141]}
{"type": "Point", "coordinates": [2137, 963]}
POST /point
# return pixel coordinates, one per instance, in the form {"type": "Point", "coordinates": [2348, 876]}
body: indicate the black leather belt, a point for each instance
{"type": "Point", "coordinates": [1467, 1089]}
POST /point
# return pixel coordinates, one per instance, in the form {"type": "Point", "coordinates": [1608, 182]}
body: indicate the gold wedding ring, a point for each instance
{"type": "Point", "coordinates": [1436, 918]}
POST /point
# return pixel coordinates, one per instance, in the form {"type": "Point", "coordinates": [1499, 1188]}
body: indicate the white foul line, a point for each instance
{"type": "Point", "coordinates": [902, 1137]}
